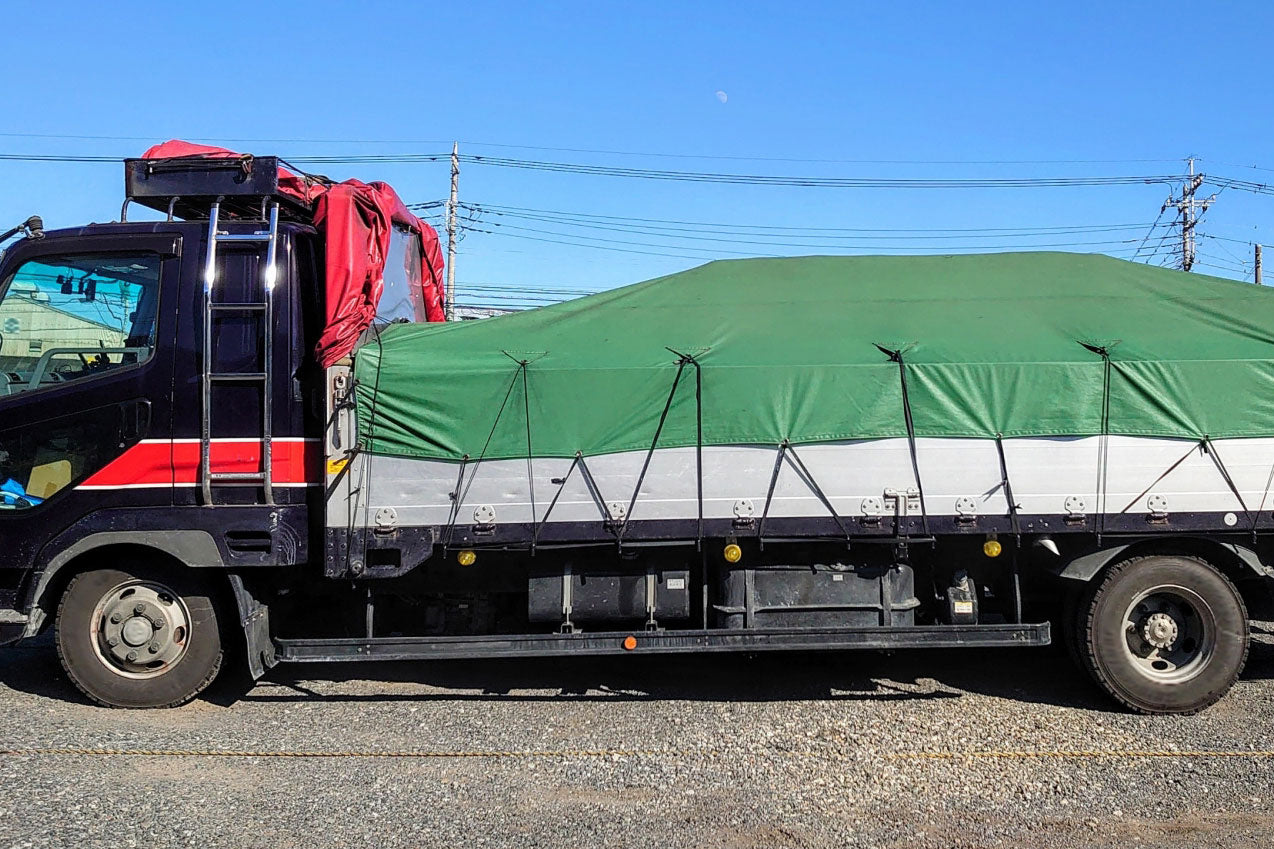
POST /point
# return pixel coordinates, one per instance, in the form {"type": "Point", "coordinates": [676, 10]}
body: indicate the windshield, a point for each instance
{"type": "Point", "coordinates": [71, 317]}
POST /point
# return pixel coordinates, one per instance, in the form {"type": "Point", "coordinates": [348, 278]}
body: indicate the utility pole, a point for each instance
{"type": "Point", "coordinates": [449, 303]}
{"type": "Point", "coordinates": [1256, 277]}
{"type": "Point", "coordinates": [1189, 209]}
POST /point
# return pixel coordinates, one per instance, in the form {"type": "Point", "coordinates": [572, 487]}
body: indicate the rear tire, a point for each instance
{"type": "Point", "coordinates": [139, 637]}
{"type": "Point", "coordinates": [1163, 634]}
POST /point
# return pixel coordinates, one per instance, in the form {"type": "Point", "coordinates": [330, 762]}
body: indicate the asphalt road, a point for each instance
{"type": "Point", "coordinates": [1007, 748]}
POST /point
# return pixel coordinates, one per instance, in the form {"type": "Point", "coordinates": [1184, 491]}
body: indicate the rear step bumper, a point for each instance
{"type": "Point", "coordinates": [663, 642]}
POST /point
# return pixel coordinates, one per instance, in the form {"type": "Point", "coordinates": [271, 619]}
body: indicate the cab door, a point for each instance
{"type": "Point", "coordinates": [86, 369]}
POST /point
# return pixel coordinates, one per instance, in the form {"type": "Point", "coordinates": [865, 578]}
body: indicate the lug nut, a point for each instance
{"type": "Point", "coordinates": [139, 609]}
{"type": "Point", "coordinates": [157, 622]}
{"type": "Point", "coordinates": [153, 648]}
{"type": "Point", "coordinates": [131, 656]}
{"type": "Point", "coordinates": [112, 641]}
{"type": "Point", "coordinates": [115, 618]}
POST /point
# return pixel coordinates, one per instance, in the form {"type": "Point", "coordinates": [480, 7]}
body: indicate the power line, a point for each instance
{"type": "Point", "coordinates": [505, 287]}
{"type": "Point", "coordinates": [578, 245]}
{"type": "Point", "coordinates": [785, 231]}
{"type": "Point", "coordinates": [941, 248]}
{"type": "Point", "coordinates": [55, 157]}
{"type": "Point", "coordinates": [1162, 210]}
{"type": "Point", "coordinates": [1248, 242]}
{"type": "Point", "coordinates": [1240, 165]}
{"type": "Point", "coordinates": [1218, 262]}
{"type": "Point", "coordinates": [1167, 233]}
{"type": "Point", "coordinates": [1243, 185]}
{"type": "Point", "coordinates": [689, 176]}
{"type": "Point", "coordinates": [611, 152]}
{"type": "Point", "coordinates": [810, 182]}
{"type": "Point", "coordinates": [829, 240]}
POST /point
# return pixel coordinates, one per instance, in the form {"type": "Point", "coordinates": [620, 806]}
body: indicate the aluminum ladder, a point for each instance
{"type": "Point", "coordinates": [264, 310]}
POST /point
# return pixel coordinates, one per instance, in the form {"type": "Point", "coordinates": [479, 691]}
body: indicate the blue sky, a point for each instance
{"type": "Point", "coordinates": [917, 84]}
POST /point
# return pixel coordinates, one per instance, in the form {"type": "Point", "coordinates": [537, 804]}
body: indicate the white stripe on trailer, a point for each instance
{"type": "Point", "coordinates": [1043, 472]}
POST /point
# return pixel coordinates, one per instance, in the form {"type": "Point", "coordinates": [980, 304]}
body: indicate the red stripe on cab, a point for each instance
{"type": "Point", "coordinates": [176, 463]}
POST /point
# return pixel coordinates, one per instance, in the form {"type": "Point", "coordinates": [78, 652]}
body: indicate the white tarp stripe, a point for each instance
{"type": "Point", "coordinates": [1044, 474]}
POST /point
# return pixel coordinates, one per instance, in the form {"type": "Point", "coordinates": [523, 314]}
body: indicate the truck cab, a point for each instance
{"type": "Point", "coordinates": [160, 395]}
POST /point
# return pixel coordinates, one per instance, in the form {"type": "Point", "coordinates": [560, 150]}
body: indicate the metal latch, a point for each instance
{"type": "Point", "coordinates": [1158, 507]}
{"type": "Point", "coordinates": [966, 511]}
{"type": "Point", "coordinates": [904, 502]}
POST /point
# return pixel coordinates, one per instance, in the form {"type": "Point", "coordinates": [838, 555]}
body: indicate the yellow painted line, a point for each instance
{"type": "Point", "coordinates": [1023, 754]}
{"type": "Point", "coordinates": [351, 753]}
{"type": "Point", "coordinates": [1077, 754]}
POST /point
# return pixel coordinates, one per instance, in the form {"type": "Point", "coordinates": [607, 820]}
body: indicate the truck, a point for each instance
{"type": "Point", "coordinates": [245, 431]}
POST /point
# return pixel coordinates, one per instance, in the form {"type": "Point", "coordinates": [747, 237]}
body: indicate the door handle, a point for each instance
{"type": "Point", "coordinates": [134, 420]}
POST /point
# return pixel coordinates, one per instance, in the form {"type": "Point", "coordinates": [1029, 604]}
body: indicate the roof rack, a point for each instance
{"type": "Point", "coordinates": [187, 187]}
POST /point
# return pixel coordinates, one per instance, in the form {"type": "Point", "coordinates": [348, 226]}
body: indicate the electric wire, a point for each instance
{"type": "Point", "coordinates": [714, 232]}
{"type": "Point", "coordinates": [807, 181]}
{"type": "Point", "coordinates": [877, 247]}
{"type": "Point", "coordinates": [484, 207]}
{"type": "Point", "coordinates": [612, 152]}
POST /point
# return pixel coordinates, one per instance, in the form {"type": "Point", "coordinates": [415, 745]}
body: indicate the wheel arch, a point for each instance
{"type": "Point", "coordinates": [1240, 564]}
{"type": "Point", "coordinates": [191, 548]}
{"type": "Point", "coordinates": [180, 549]}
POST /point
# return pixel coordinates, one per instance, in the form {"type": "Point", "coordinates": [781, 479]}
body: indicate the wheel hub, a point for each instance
{"type": "Point", "coordinates": [142, 629]}
{"type": "Point", "coordinates": [137, 631]}
{"type": "Point", "coordinates": [1160, 630]}
{"type": "Point", "coordinates": [1170, 633]}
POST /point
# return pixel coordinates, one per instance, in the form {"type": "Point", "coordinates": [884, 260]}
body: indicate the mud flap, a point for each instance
{"type": "Point", "coordinates": [254, 618]}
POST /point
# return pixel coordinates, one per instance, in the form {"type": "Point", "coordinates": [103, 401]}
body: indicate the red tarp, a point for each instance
{"type": "Point", "coordinates": [356, 220]}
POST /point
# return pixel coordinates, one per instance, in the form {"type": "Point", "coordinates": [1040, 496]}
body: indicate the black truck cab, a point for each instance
{"type": "Point", "coordinates": [100, 408]}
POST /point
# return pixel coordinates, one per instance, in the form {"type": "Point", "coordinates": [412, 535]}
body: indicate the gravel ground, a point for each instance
{"type": "Point", "coordinates": [772, 751]}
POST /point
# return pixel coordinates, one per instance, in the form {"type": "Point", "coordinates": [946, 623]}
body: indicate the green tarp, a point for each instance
{"type": "Point", "coordinates": [791, 349]}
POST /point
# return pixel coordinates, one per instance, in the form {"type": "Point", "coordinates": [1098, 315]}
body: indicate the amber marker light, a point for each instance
{"type": "Point", "coordinates": [630, 643]}
{"type": "Point", "coordinates": [992, 548]}
{"type": "Point", "coordinates": [732, 553]}
{"type": "Point", "coordinates": [466, 557]}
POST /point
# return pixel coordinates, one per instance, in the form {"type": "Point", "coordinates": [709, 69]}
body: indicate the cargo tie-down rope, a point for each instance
{"type": "Point", "coordinates": [990, 754]}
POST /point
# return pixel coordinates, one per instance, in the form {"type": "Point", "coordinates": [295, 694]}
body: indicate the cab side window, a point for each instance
{"type": "Point", "coordinates": [71, 318]}
{"type": "Point", "coordinates": [39, 460]}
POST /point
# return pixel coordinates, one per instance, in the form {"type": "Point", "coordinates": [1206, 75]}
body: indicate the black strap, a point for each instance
{"type": "Point", "coordinates": [659, 429]}
{"type": "Point", "coordinates": [1225, 473]}
{"type": "Point", "coordinates": [817, 490]}
{"type": "Point", "coordinates": [1008, 488]}
{"type": "Point", "coordinates": [539, 526]}
{"type": "Point", "coordinates": [896, 356]}
{"type": "Point", "coordinates": [1103, 449]}
{"type": "Point", "coordinates": [462, 488]}
{"type": "Point", "coordinates": [1201, 444]}
{"type": "Point", "coordinates": [699, 445]}
{"type": "Point", "coordinates": [769, 494]}
{"type": "Point", "coordinates": [455, 504]}
{"type": "Point", "coordinates": [526, 409]}
{"type": "Point", "coordinates": [593, 489]}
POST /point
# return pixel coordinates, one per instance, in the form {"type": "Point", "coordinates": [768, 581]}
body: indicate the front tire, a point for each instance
{"type": "Point", "coordinates": [139, 638]}
{"type": "Point", "coordinates": [1166, 634]}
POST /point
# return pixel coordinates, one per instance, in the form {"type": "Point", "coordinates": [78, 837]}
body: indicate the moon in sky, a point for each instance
{"type": "Point", "coordinates": [721, 95]}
